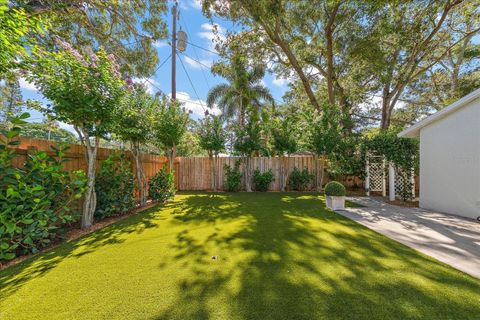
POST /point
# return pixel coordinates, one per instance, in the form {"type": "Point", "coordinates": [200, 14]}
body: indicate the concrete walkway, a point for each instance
{"type": "Point", "coordinates": [448, 238]}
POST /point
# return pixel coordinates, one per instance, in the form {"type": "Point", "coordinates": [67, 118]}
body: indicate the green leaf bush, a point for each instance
{"type": "Point", "coordinates": [233, 177]}
{"type": "Point", "coordinates": [115, 187]}
{"type": "Point", "coordinates": [300, 180]}
{"type": "Point", "coordinates": [37, 200]}
{"type": "Point", "coordinates": [261, 181]}
{"type": "Point", "coordinates": [162, 185]}
{"type": "Point", "coordinates": [335, 189]}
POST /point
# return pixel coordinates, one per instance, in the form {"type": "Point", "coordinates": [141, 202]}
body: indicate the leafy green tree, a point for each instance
{"type": "Point", "coordinates": [48, 131]}
{"type": "Point", "coordinates": [84, 91]}
{"type": "Point", "coordinates": [169, 127]}
{"type": "Point", "coordinates": [212, 139]}
{"type": "Point", "coordinates": [326, 138]}
{"type": "Point", "coordinates": [190, 145]}
{"type": "Point", "coordinates": [244, 90]}
{"type": "Point", "coordinates": [127, 29]}
{"type": "Point", "coordinates": [405, 41]}
{"type": "Point", "coordinates": [133, 124]}
{"type": "Point", "coordinates": [11, 100]}
{"type": "Point", "coordinates": [248, 143]}
{"type": "Point", "coordinates": [285, 142]}
{"type": "Point", "coordinates": [15, 25]}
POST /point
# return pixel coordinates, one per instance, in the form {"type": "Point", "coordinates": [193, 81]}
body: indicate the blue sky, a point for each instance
{"type": "Point", "coordinates": [199, 31]}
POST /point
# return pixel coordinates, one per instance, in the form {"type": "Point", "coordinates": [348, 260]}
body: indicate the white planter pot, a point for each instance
{"type": "Point", "coordinates": [336, 203]}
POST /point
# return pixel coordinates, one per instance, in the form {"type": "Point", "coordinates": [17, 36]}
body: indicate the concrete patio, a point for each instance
{"type": "Point", "coordinates": [451, 239]}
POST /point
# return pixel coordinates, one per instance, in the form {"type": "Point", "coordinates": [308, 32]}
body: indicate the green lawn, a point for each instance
{"type": "Point", "coordinates": [279, 256]}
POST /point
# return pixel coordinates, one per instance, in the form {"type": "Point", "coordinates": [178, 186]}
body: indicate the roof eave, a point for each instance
{"type": "Point", "coordinates": [414, 131]}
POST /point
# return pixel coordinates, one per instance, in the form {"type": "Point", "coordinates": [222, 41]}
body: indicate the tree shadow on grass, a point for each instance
{"type": "Point", "coordinates": [300, 261]}
{"type": "Point", "coordinates": [13, 278]}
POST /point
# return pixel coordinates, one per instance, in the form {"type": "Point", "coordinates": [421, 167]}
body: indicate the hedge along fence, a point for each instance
{"type": "Point", "coordinates": [191, 173]}
{"type": "Point", "coordinates": [76, 156]}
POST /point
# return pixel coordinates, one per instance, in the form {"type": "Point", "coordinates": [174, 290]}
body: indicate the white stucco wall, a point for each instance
{"type": "Point", "coordinates": [450, 163]}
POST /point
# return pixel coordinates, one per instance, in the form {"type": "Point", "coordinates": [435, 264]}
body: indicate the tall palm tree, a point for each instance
{"type": "Point", "coordinates": [243, 91]}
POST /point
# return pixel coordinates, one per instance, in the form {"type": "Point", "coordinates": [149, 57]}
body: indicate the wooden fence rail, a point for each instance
{"type": "Point", "coordinates": [191, 173]}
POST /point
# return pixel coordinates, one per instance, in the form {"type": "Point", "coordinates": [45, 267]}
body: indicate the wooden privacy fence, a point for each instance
{"type": "Point", "coordinates": [191, 173]}
{"type": "Point", "coordinates": [195, 173]}
{"type": "Point", "coordinates": [76, 156]}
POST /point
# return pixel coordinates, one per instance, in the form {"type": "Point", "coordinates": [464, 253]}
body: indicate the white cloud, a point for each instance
{"type": "Point", "coordinates": [197, 107]}
{"type": "Point", "coordinates": [187, 4]}
{"type": "Point", "coordinates": [279, 82]}
{"type": "Point", "coordinates": [149, 83]}
{"type": "Point", "coordinates": [67, 126]}
{"type": "Point", "coordinates": [210, 32]}
{"type": "Point", "coordinates": [26, 85]}
{"type": "Point", "coordinates": [196, 4]}
{"type": "Point", "coordinates": [202, 63]}
{"type": "Point", "coordinates": [159, 44]}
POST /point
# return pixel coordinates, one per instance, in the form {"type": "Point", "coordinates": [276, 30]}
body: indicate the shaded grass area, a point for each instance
{"type": "Point", "coordinates": [237, 256]}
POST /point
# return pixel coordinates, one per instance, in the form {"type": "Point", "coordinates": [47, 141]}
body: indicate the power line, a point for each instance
{"type": "Point", "coordinates": [200, 47]}
{"type": "Point", "coordinates": [183, 100]}
{"type": "Point", "coordinates": [158, 68]}
{"type": "Point", "coordinates": [197, 61]}
{"type": "Point", "coordinates": [191, 83]}
{"type": "Point", "coordinates": [196, 54]}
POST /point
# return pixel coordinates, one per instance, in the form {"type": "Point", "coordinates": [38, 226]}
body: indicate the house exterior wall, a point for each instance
{"type": "Point", "coordinates": [450, 163]}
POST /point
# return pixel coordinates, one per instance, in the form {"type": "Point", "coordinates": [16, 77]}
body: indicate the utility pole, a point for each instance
{"type": "Point", "coordinates": [174, 51]}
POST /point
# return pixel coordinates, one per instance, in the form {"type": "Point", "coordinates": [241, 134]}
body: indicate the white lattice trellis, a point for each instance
{"type": "Point", "coordinates": [375, 171]}
{"type": "Point", "coordinates": [404, 180]}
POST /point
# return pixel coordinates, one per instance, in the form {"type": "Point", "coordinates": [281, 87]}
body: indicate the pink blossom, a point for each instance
{"type": "Point", "coordinates": [158, 93]}
{"type": "Point", "coordinates": [129, 81]}
{"type": "Point", "coordinates": [111, 57]}
{"type": "Point", "coordinates": [94, 58]}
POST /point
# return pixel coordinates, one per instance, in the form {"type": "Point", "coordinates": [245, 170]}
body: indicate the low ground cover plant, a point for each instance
{"type": "Point", "coordinates": [162, 185]}
{"type": "Point", "coordinates": [115, 187]}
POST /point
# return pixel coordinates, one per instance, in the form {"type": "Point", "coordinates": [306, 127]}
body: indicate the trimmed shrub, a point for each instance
{"type": "Point", "coordinates": [162, 185]}
{"type": "Point", "coordinates": [261, 181]}
{"type": "Point", "coordinates": [114, 186]}
{"type": "Point", "coordinates": [300, 180]}
{"type": "Point", "coordinates": [335, 189]}
{"type": "Point", "coordinates": [36, 200]}
{"type": "Point", "coordinates": [233, 177]}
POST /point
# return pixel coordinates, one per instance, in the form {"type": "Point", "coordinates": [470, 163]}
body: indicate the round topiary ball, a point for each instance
{"type": "Point", "coordinates": [335, 189]}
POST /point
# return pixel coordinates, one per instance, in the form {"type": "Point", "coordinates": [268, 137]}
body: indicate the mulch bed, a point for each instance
{"type": "Point", "coordinates": [76, 233]}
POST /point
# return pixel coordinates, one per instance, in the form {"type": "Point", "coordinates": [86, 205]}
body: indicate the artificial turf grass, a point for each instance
{"type": "Point", "coordinates": [278, 256]}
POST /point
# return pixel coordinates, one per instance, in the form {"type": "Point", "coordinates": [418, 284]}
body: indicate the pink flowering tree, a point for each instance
{"type": "Point", "coordinates": [84, 90]}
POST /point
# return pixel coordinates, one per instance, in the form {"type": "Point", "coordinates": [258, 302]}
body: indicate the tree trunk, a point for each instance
{"type": "Point", "coordinates": [171, 157]}
{"type": "Point", "coordinates": [248, 179]}
{"type": "Point", "coordinates": [322, 174]}
{"type": "Point", "coordinates": [317, 188]}
{"type": "Point", "coordinates": [213, 166]}
{"type": "Point", "coordinates": [386, 113]}
{"type": "Point", "coordinates": [141, 180]}
{"type": "Point", "coordinates": [285, 172]}
{"type": "Point", "coordinates": [90, 199]}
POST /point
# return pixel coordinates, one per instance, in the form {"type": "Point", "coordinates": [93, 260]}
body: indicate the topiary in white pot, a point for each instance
{"type": "Point", "coordinates": [335, 194]}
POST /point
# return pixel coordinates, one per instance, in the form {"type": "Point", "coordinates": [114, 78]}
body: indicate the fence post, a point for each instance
{"type": "Point", "coordinates": [391, 181]}
{"type": "Point", "coordinates": [367, 176]}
